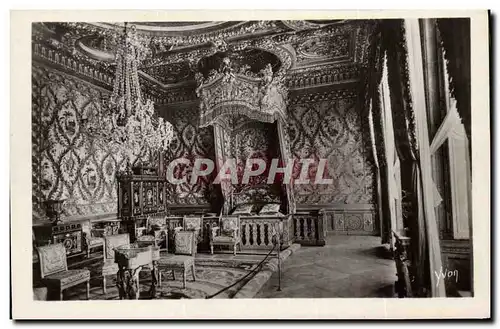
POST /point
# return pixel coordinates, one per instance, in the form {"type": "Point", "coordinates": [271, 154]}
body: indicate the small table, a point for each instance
{"type": "Point", "coordinates": [131, 259]}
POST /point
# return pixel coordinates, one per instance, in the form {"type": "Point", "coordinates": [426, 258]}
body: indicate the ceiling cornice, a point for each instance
{"type": "Point", "coordinates": [58, 45]}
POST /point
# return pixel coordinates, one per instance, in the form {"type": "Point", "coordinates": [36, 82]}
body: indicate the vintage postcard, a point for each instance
{"type": "Point", "coordinates": [250, 164]}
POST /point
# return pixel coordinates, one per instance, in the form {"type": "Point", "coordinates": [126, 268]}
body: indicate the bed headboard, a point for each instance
{"type": "Point", "coordinates": [257, 195]}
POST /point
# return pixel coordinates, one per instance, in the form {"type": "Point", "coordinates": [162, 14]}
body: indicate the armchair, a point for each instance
{"type": "Point", "coordinates": [156, 232]}
{"type": "Point", "coordinates": [227, 234]}
{"type": "Point", "coordinates": [93, 238]}
{"type": "Point", "coordinates": [54, 270]}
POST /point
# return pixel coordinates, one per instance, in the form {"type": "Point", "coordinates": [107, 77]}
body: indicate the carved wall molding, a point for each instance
{"type": "Point", "coordinates": [331, 94]}
{"type": "Point", "coordinates": [459, 247]}
{"type": "Point", "coordinates": [317, 54]}
{"type": "Point", "coordinates": [322, 75]}
{"type": "Point", "coordinates": [335, 46]}
{"type": "Point", "coordinates": [163, 41]}
{"type": "Point", "coordinates": [298, 25]}
{"type": "Point", "coordinates": [68, 62]}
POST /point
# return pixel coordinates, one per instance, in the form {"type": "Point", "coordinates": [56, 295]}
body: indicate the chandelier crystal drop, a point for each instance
{"type": "Point", "coordinates": [129, 122]}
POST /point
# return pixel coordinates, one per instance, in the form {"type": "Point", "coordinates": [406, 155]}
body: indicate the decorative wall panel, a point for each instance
{"type": "Point", "coordinates": [331, 128]}
{"type": "Point", "coordinates": [66, 163]}
{"type": "Point", "coordinates": [190, 142]}
{"type": "Point", "coordinates": [356, 219]}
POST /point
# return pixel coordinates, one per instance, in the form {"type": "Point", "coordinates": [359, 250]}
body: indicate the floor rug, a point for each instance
{"type": "Point", "coordinates": [211, 277]}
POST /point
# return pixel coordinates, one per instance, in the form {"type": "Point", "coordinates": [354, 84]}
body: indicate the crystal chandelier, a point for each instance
{"type": "Point", "coordinates": [129, 122]}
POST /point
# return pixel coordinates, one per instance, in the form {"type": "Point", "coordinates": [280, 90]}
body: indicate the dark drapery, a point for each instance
{"type": "Point", "coordinates": [406, 145]}
{"type": "Point", "coordinates": [372, 97]}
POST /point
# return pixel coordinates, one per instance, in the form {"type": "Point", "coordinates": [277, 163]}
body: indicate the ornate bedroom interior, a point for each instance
{"type": "Point", "coordinates": [383, 104]}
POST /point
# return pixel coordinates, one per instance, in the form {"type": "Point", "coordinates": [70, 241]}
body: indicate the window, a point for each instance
{"type": "Point", "coordinates": [452, 130]}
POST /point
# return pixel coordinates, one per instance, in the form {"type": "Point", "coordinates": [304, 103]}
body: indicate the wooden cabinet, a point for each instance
{"type": "Point", "coordinates": [140, 194]}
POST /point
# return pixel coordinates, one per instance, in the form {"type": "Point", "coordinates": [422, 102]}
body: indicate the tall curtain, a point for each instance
{"type": "Point", "coordinates": [393, 175]}
{"type": "Point", "coordinates": [405, 138]}
{"type": "Point", "coordinates": [408, 148]}
{"type": "Point", "coordinates": [380, 146]}
{"type": "Point", "coordinates": [375, 120]}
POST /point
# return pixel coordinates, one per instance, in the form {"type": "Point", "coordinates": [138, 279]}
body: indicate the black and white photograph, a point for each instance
{"type": "Point", "coordinates": [328, 158]}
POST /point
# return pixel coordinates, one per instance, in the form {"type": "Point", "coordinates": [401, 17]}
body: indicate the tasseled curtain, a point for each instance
{"type": "Point", "coordinates": [406, 144]}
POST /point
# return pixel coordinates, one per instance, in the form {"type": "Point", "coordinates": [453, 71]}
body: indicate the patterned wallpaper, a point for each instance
{"type": "Point", "coordinates": [189, 142]}
{"type": "Point", "coordinates": [330, 127]}
{"type": "Point", "coordinates": [67, 164]}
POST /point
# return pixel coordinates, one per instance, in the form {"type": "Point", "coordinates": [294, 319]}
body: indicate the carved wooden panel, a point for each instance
{"type": "Point", "coordinates": [338, 222]}
{"type": "Point", "coordinates": [368, 225]}
{"type": "Point", "coordinates": [351, 220]}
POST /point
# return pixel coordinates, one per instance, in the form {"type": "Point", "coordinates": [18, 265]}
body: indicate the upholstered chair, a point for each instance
{"type": "Point", "coordinates": [227, 234]}
{"type": "Point", "coordinates": [109, 266]}
{"type": "Point", "coordinates": [183, 259]}
{"type": "Point", "coordinates": [194, 224]}
{"type": "Point", "coordinates": [92, 238]}
{"type": "Point", "coordinates": [156, 232]}
{"type": "Point", "coordinates": [54, 270]}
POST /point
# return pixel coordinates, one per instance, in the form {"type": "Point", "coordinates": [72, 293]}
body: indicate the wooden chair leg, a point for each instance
{"type": "Point", "coordinates": [234, 249]}
{"type": "Point", "coordinates": [88, 290]}
{"type": "Point", "coordinates": [194, 272]}
{"type": "Point", "coordinates": [184, 278]}
{"type": "Point", "coordinates": [61, 294]}
{"type": "Point", "coordinates": [212, 249]}
{"type": "Point", "coordinates": [104, 284]}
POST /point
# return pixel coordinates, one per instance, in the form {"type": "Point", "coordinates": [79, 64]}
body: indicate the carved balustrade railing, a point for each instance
{"type": "Point", "coordinates": [255, 231]}
{"type": "Point", "coordinates": [309, 228]}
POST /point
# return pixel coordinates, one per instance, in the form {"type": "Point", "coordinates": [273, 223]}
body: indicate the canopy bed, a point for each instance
{"type": "Point", "coordinates": [243, 98]}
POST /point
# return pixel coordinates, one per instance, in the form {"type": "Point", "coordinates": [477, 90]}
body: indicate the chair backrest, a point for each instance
{"type": "Point", "coordinates": [193, 223]}
{"type": "Point", "coordinates": [185, 243]}
{"type": "Point", "coordinates": [114, 241]}
{"type": "Point", "coordinates": [156, 220]}
{"type": "Point", "coordinates": [230, 223]}
{"type": "Point", "coordinates": [87, 227]}
{"type": "Point", "coordinates": [52, 259]}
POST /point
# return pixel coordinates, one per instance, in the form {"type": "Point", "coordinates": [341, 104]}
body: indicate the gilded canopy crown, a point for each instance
{"type": "Point", "coordinates": [248, 83]}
